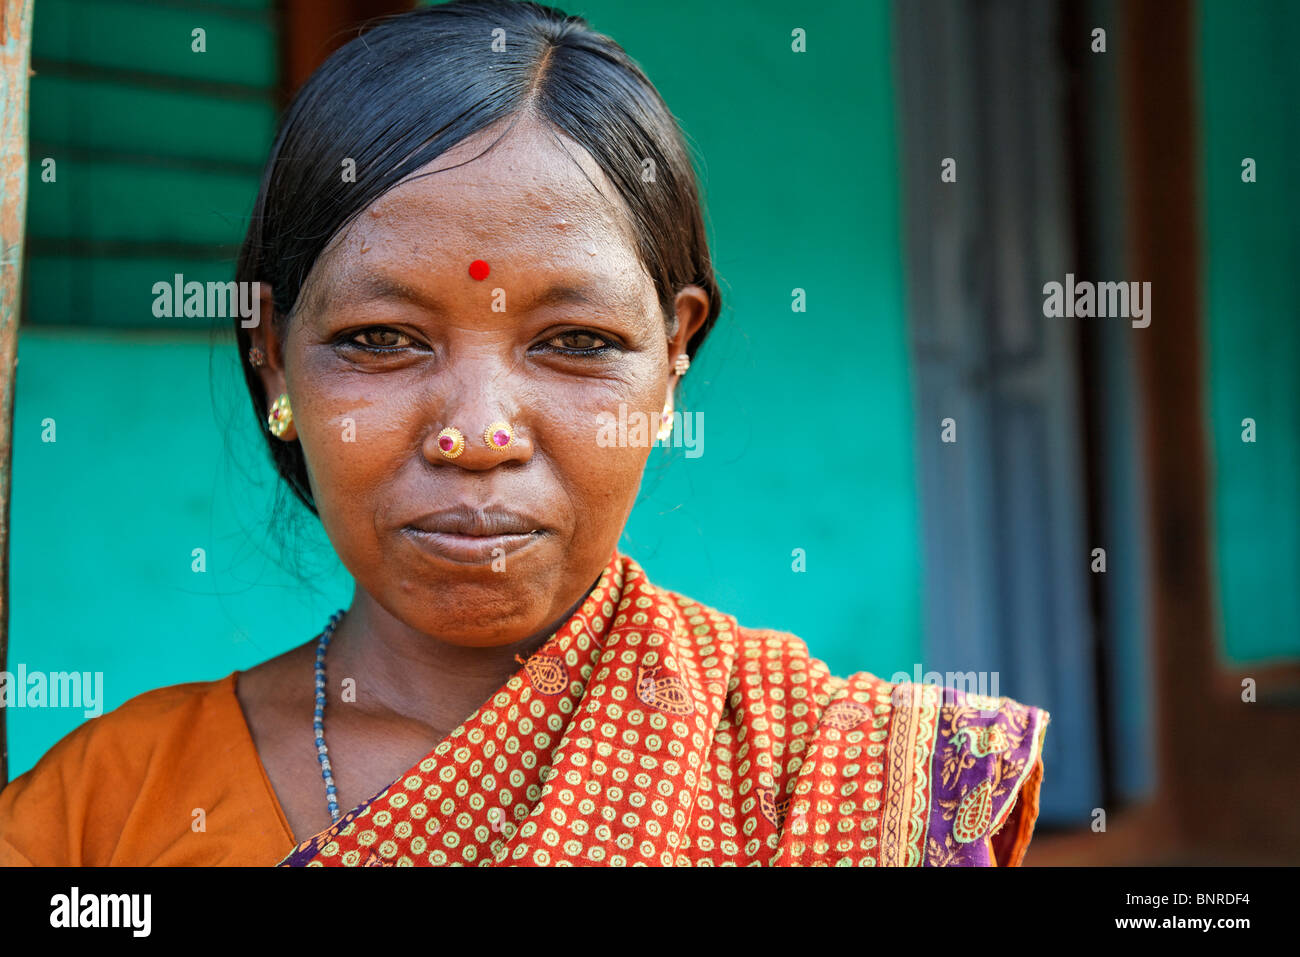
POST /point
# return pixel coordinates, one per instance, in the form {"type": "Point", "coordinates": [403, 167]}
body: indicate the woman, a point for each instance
{"type": "Point", "coordinates": [478, 235]}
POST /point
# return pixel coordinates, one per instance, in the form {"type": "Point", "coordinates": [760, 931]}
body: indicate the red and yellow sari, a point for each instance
{"type": "Point", "coordinates": [650, 729]}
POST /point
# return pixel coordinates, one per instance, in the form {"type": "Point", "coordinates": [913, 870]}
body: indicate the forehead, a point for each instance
{"type": "Point", "coordinates": [534, 202]}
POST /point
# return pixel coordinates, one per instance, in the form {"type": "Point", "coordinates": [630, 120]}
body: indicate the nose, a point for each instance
{"type": "Point", "coordinates": [479, 431]}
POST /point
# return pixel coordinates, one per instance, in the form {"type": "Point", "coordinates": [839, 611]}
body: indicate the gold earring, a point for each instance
{"type": "Point", "coordinates": [281, 416]}
{"type": "Point", "coordinates": [665, 421]}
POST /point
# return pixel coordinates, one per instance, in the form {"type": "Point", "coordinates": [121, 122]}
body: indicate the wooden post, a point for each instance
{"type": "Point", "coordinates": [1227, 780]}
{"type": "Point", "coordinates": [310, 30]}
{"type": "Point", "coordinates": [15, 59]}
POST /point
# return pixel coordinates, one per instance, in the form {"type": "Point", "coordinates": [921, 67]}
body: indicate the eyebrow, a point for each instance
{"type": "Point", "coordinates": [373, 286]}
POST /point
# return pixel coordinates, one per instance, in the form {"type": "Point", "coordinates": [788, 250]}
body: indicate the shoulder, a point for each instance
{"type": "Point", "coordinates": [781, 664]}
{"type": "Point", "coordinates": [861, 770]}
{"type": "Point", "coordinates": [918, 774]}
{"type": "Point", "coordinates": [142, 725]}
{"type": "Point", "coordinates": [104, 765]}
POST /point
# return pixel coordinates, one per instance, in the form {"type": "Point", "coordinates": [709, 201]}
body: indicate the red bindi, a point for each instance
{"type": "Point", "coordinates": [478, 269]}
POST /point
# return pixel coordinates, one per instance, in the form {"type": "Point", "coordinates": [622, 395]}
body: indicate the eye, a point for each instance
{"type": "Point", "coordinates": [382, 339]}
{"type": "Point", "coordinates": [579, 342]}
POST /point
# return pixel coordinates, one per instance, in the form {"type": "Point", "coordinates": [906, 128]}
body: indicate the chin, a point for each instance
{"type": "Point", "coordinates": [483, 629]}
{"type": "Point", "coordinates": [472, 605]}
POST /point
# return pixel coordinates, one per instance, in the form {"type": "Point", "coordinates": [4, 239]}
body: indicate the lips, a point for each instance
{"type": "Point", "coordinates": [467, 535]}
{"type": "Point", "coordinates": [486, 521]}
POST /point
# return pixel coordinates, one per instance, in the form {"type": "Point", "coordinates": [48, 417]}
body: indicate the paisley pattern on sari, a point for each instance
{"type": "Point", "coordinates": [653, 730]}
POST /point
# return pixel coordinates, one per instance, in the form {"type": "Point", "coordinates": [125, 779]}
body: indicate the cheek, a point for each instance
{"type": "Point", "coordinates": [350, 442]}
{"type": "Point", "coordinates": [602, 477]}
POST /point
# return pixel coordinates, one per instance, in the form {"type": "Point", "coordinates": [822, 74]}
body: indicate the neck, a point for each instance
{"type": "Point", "coordinates": [418, 677]}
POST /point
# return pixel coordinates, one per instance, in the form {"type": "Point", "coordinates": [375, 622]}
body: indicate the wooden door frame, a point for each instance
{"type": "Point", "coordinates": [15, 74]}
{"type": "Point", "coordinates": [1222, 794]}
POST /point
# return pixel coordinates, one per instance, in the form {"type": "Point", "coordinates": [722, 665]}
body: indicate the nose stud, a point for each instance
{"type": "Point", "coordinates": [499, 436]}
{"type": "Point", "coordinates": [451, 442]}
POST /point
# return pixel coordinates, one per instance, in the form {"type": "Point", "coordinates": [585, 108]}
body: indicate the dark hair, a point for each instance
{"type": "Point", "coordinates": [414, 85]}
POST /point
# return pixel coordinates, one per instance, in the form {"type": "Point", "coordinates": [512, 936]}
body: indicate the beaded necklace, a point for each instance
{"type": "Point", "coordinates": [322, 752]}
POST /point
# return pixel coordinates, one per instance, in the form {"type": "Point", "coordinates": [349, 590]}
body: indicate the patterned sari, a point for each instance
{"type": "Point", "coordinates": [650, 729]}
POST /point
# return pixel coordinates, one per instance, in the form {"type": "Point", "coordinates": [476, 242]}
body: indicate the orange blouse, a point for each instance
{"type": "Point", "coordinates": [171, 777]}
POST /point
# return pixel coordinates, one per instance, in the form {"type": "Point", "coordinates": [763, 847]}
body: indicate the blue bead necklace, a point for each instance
{"type": "Point", "coordinates": [322, 752]}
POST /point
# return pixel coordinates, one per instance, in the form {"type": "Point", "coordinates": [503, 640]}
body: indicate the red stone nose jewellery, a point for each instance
{"type": "Point", "coordinates": [451, 442]}
{"type": "Point", "coordinates": [498, 436]}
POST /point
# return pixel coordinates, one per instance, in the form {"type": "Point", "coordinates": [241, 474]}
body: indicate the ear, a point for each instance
{"type": "Point", "coordinates": [263, 336]}
{"type": "Point", "coordinates": [692, 306]}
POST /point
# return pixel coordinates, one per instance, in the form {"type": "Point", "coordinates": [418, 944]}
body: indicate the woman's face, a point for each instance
{"type": "Point", "coordinates": [394, 340]}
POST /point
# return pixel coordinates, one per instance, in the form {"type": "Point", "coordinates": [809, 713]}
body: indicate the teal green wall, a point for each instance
{"type": "Point", "coordinates": [105, 520]}
{"type": "Point", "coordinates": [1250, 81]}
{"type": "Point", "coordinates": [159, 150]}
{"type": "Point", "coordinates": [807, 417]}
